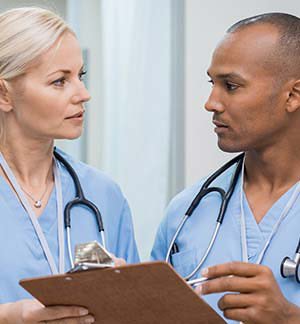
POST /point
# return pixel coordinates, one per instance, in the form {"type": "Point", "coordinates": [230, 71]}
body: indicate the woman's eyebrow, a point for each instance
{"type": "Point", "coordinates": [65, 71]}
{"type": "Point", "coordinates": [60, 70]}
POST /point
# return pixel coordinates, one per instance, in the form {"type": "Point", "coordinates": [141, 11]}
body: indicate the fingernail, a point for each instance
{"type": "Point", "coordinates": [83, 311]}
{"type": "Point", "coordinates": [90, 320]}
{"type": "Point", "coordinates": [199, 290]}
{"type": "Point", "coordinates": [204, 272]}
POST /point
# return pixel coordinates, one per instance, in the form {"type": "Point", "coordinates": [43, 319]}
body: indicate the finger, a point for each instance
{"type": "Point", "coordinates": [237, 314]}
{"type": "Point", "coordinates": [59, 312]}
{"type": "Point", "coordinates": [235, 301]}
{"type": "Point", "coordinates": [241, 269]}
{"type": "Point", "coordinates": [228, 283]}
{"type": "Point", "coordinates": [119, 262]}
{"type": "Point", "coordinates": [82, 320]}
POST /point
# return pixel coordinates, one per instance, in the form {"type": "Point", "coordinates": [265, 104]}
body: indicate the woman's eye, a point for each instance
{"type": "Point", "coordinates": [59, 82]}
{"type": "Point", "coordinates": [211, 82]}
{"type": "Point", "coordinates": [81, 75]}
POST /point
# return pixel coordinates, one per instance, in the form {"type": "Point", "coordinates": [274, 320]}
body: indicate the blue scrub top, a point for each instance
{"type": "Point", "coordinates": [21, 255]}
{"type": "Point", "coordinates": [196, 234]}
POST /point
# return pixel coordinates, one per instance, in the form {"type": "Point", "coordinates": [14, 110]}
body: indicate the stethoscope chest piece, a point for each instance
{"type": "Point", "coordinates": [290, 268]}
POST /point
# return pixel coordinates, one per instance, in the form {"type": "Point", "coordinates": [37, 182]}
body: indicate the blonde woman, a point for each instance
{"type": "Point", "coordinates": [42, 98]}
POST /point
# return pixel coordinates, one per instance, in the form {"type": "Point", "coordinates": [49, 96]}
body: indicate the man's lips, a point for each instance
{"type": "Point", "coordinates": [219, 124]}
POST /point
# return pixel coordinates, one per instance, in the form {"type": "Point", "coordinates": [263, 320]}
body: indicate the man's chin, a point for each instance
{"type": "Point", "coordinates": [229, 147]}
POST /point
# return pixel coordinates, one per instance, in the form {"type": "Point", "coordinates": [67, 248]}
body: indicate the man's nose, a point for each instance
{"type": "Point", "coordinates": [214, 102]}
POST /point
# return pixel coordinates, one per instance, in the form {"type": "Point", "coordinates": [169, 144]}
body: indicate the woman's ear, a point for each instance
{"type": "Point", "coordinates": [5, 100]}
{"type": "Point", "coordinates": [293, 102]}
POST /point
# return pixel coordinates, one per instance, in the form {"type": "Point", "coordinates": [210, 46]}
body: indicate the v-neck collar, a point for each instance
{"type": "Point", "coordinates": [257, 234]}
{"type": "Point", "coordinates": [46, 220]}
{"type": "Point", "coordinates": [271, 216]}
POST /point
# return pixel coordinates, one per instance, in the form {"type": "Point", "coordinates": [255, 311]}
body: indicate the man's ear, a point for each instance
{"type": "Point", "coordinates": [5, 100]}
{"type": "Point", "coordinates": [293, 102]}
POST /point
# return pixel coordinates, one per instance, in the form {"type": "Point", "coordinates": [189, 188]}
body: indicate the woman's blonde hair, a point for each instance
{"type": "Point", "coordinates": [25, 34]}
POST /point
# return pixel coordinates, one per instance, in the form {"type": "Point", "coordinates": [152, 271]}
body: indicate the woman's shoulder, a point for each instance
{"type": "Point", "coordinates": [91, 175]}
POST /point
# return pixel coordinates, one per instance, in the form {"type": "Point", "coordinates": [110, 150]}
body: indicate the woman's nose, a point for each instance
{"type": "Point", "coordinates": [81, 95]}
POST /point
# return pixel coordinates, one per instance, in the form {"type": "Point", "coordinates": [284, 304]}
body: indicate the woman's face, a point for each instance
{"type": "Point", "coordinates": [48, 101]}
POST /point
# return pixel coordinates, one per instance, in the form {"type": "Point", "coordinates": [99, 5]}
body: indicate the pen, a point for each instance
{"type": "Point", "coordinates": [174, 249]}
{"type": "Point", "coordinates": [197, 281]}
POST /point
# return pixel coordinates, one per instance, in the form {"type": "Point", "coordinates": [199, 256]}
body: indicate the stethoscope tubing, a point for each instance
{"type": "Point", "coordinates": [205, 190]}
{"type": "Point", "coordinates": [178, 230]}
{"type": "Point", "coordinates": [62, 216]}
{"type": "Point", "coordinates": [209, 248]}
{"type": "Point", "coordinates": [289, 267]}
{"type": "Point", "coordinates": [78, 200]}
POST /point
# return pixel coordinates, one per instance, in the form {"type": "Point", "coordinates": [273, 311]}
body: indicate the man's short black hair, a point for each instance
{"type": "Point", "coordinates": [288, 26]}
{"type": "Point", "coordinates": [286, 23]}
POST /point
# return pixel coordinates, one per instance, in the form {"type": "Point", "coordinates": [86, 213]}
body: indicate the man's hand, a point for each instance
{"type": "Point", "coordinates": [32, 312]}
{"type": "Point", "coordinates": [254, 295]}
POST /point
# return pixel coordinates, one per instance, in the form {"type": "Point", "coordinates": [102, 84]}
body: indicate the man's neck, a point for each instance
{"type": "Point", "coordinates": [267, 177]}
{"type": "Point", "coordinates": [273, 170]}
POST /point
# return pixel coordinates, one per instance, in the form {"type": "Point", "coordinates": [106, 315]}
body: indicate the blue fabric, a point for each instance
{"type": "Point", "coordinates": [21, 255]}
{"type": "Point", "coordinates": [197, 232]}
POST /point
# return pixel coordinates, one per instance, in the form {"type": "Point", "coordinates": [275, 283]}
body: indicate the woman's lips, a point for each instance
{"type": "Point", "coordinates": [78, 115]}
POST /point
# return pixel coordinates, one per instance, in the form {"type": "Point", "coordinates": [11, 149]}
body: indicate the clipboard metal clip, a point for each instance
{"type": "Point", "coordinates": [83, 266]}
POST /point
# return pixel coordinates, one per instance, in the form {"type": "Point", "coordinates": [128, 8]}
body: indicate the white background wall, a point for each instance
{"type": "Point", "coordinates": [206, 21]}
{"type": "Point", "coordinates": [56, 5]}
{"type": "Point", "coordinates": [204, 24]}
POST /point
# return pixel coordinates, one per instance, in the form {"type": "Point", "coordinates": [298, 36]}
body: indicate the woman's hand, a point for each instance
{"type": "Point", "coordinates": [254, 295]}
{"type": "Point", "coordinates": [29, 311]}
{"type": "Point", "coordinates": [118, 261]}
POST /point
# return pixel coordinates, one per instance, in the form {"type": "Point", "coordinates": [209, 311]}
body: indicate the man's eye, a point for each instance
{"type": "Point", "coordinates": [211, 82]}
{"type": "Point", "coordinates": [59, 82]}
{"type": "Point", "coordinates": [231, 86]}
{"type": "Point", "coordinates": [82, 74]}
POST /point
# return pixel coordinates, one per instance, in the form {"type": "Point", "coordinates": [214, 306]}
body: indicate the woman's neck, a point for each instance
{"type": "Point", "coordinates": [30, 161]}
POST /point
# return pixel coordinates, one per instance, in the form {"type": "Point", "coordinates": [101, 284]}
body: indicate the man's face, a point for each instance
{"type": "Point", "coordinates": [247, 99]}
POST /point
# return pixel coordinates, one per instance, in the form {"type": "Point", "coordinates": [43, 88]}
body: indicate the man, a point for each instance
{"type": "Point", "coordinates": [255, 101]}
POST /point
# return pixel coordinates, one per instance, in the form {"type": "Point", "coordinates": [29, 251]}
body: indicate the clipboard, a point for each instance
{"type": "Point", "coordinates": [144, 293]}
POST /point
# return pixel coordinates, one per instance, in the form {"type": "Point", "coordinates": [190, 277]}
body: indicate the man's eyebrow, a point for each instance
{"type": "Point", "coordinates": [227, 75]}
{"type": "Point", "coordinates": [64, 71]}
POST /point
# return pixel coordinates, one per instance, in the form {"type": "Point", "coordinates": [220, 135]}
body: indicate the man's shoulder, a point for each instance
{"type": "Point", "coordinates": [186, 196]}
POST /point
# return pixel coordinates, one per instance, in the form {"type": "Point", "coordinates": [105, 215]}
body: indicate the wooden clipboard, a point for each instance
{"type": "Point", "coordinates": [146, 293]}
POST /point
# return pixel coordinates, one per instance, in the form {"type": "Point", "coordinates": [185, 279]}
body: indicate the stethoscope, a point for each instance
{"type": "Point", "coordinates": [78, 200]}
{"type": "Point", "coordinates": [289, 267]}
{"type": "Point", "coordinates": [64, 215]}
